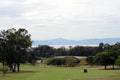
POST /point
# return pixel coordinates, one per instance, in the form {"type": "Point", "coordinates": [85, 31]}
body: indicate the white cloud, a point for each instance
{"type": "Point", "coordinates": [72, 19]}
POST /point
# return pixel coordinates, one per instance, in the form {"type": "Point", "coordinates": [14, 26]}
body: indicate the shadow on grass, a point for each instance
{"type": "Point", "coordinates": [17, 72]}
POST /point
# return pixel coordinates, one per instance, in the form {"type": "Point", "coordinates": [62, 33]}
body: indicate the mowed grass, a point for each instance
{"type": "Point", "coordinates": [29, 72]}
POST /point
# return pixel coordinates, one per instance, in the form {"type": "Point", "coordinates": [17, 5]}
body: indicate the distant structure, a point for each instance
{"type": "Point", "coordinates": [78, 57]}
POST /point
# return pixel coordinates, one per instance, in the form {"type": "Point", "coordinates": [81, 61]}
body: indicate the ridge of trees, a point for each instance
{"type": "Point", "coordinates": [47, 51]}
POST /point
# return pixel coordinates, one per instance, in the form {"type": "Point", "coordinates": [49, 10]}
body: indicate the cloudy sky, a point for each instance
{"type": "Point", "coordinates": [70, 19]}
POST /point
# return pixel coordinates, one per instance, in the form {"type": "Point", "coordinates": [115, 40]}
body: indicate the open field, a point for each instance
{"type": "Point", "coordinates": [29, 72]}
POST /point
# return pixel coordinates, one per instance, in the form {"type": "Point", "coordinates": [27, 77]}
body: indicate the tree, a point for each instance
{"type": "Point", "coordinates": [102, 59]}
{"type": "Point", "coordinates": [3, 46]}
{"type": "Point", "coordinates": [15, 44]}
{"type": "Point", "coordinates": [106, 58]}
{"type": "Point", "coordinates": [118, 61]}
{"type": "Point", "coordinates": [61, 51]}
{"type": "Point", "coordinates": [32, 58]}
{"type": "Point", "coordinates": [107, 46]}
{"type": "Point", "coordinates": [71, 61]}
{"type": "Point", "coordinates": [43, 51]}
{"type": "Point", "coordinates": [101, 47]}
{"type": "Point", "coordinates": [113, 55]}
{"type": "Point", "coordinates": [1, 50]}
{"type": "Point", "coordinates": [89, 59]}
{"type": "Point", "coordinates": [116, 47]}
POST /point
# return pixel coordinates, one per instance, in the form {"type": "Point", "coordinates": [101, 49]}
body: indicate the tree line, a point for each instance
{"type": "Point", "coordinates": [47, 51]}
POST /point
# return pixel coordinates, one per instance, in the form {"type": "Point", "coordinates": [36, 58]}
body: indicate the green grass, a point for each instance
{"type": "Point", "coordinates": [29, 72]}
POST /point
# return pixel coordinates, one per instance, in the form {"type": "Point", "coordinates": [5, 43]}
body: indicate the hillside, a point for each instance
{"type": "Point", "coordinates": [61, 41]}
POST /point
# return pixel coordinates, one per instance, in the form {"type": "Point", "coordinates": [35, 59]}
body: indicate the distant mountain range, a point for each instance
{"type": "Point", "coordinates": [62, 41]}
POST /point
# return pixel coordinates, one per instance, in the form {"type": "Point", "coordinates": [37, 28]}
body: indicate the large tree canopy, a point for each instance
{"type": "Point", "coordinates": [106, 58]}
{"type": "Point", "coordinates": [14, 44]}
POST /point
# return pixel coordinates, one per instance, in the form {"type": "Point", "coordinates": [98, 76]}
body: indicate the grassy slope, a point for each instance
{"type": "Point", "coordinates": [29, 72]}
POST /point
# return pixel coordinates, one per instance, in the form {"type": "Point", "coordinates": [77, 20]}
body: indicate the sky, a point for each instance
{"type": "Point", "coordinates": [69, 19]}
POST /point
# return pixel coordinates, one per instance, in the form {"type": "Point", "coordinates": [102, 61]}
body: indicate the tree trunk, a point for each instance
{"type": "Point", "coordinates": [3, 70]}
{"type": "Point", "coordinates": [91, 65]}
{"type": "Point", "coordinates": [3, 73]}
{"type": "Point", "coordinates": [14, 67]}
{"type": "Point", "coordinates": [105, 67]}
{"type": "Point", "coordinates": [18, 67]}
{"type": "Point", "coordinates": [113, 66]}
{"type": "Point", "coordinates": [11, 67]}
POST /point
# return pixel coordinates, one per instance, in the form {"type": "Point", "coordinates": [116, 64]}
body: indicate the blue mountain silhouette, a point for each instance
{"type": "Point", "coordinates": [62, 41]}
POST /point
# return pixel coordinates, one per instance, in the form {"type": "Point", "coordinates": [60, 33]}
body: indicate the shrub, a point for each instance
{"type": "Point", "coordinates": [4, 69]}
{"type": "Point", "coordinates": [33, 62]}
{"type": "Point", "coordinates": [56, 61]}
{"type": "Point", "coordinates": [71, 61]}
{"type": "Point", "coordinates": [68, 61]}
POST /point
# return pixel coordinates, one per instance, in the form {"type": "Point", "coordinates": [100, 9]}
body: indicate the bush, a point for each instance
{"type": "Point", "coordinates": [33, 62]}
{"type": "Point", "coordinates": [56, 61]}
{"type": "Point", "coordinates": [4, 69]}
{"type": "Point", "coordinates": [83, 62]}
{"type": "Point", "coordinates": [71, 61]}
{"type": "Point", "coordinates": [68, 61]}
{"type": "Point", "coordinates": [1, 68]}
